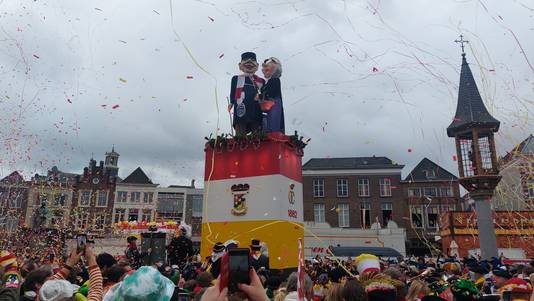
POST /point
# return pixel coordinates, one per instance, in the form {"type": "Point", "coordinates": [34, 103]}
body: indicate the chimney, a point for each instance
{"type": "Point", "coordinates": [193, 183]}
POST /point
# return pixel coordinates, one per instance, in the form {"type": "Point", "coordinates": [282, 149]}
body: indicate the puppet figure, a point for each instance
{"type": "Point", "coordinates": [245, 87]}
{"type": "Point", "coordinates": [271, 96]}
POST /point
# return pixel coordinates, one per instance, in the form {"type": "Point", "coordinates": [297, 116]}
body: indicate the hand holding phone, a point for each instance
{"type": "Point", "coordinates": [81, 242]}
{"type": "Point", "coordinates": [255, 290]}
{"type": "Point", "coordinates": [235, 269]}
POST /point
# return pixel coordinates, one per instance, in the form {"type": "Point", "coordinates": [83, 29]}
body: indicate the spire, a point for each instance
{"type": "Point", "coordinates": [470, 110]}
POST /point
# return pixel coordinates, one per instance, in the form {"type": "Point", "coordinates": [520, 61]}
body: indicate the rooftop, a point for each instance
{"type": "Point", "coordinates": [427, 171]}
{"type": "Point", "coordinates": [350, 163]}
{"type": "Point", "coordinates": [138, 176]}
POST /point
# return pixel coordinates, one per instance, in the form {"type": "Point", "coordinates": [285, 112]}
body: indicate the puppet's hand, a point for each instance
{"type": "Point", "coordinates": [230, 107]}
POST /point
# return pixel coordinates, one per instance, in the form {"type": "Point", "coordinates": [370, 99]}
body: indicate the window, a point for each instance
{"type": "Point", "coordinates": [446, 191]}
{"type": "Point", "coordinates": [41, 198]}
{"type": "Point", "coordinates": [430, 173]}
{"type": "Point", "coordinates": [414, 192]}
{"type": "Point", "coordinates": [81, 220]}
{"type": "Point", "coordinates": [15, 201]}
{"type": "Point", "coordinates": [120, 215]}
{"type": "Point", "coordinates": [387, 212]}
{"type": "Point", "coordinates": [385, 187]}
{"type": "Point", "coordinates": [59, 199]}
{"type": "Point", "coordinates": [448, 207]}
{"type": "Point", "coordinates": [318, 213]}
{"type": "Point", "coordinates": [417, 217]}
{"type": "Point", "coordinates": [432, 216]}
{"type": "Point", "coordinates": [122, 196]}
{"type": "Point", "coordinates": [318, 188]}
{"type": "Point", "coordinates": [135, 196]}
{"type": "Point", "coordinates": [343, 215]}
{"type": "Point", "coordinates": [85, 198]}
{"type": "Point", "coordinates": [430, 191]}
{"type": "Point", "coordinates": [102, 199]}
{"type": "Point", "coordinates": [133, 215]}
{"type": "Point", "coordinates": [342, 188]}
{"type": "Point", "coordinates": [365, 214]}
{"type": "Point", "coordinates": [147, 197]}
{"type": "Point", "coordinates": [363, 187]}
{"type": "Point", "coordinates": [530, 188]}
{"type": "Point", "coordinates": [100, 222]}
{"type": "Point", "coordinates": [147, 215]}
{"type": "Point", "coordinates": [170, 206]}
{"type": "Point", "coordinates": [197, 206]}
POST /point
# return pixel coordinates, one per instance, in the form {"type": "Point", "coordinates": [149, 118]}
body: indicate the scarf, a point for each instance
{"type": "Point", "coordinates": [239, 95]}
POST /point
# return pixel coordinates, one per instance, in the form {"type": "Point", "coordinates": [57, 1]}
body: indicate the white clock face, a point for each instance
{"type": "Point", "coordinates": [96, 181]}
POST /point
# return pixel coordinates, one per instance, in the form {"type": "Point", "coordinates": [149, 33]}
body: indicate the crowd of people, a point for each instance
{"type": "Point", "coordinates": [84, 275]}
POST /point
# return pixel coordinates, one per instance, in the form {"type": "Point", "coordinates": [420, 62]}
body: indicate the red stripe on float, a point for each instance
{"type": "Point", "coordinates": [271, 158]}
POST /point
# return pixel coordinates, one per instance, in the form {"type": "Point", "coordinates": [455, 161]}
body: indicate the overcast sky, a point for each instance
{"type": "Point", "coordinates": [361, 78]}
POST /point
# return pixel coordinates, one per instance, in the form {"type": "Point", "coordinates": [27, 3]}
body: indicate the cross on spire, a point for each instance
{"type": "Point", "coordinates": [461, 41]}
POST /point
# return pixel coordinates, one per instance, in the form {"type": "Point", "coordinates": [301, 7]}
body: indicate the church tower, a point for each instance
{"type": "Point", "coordinates": [111, 164]}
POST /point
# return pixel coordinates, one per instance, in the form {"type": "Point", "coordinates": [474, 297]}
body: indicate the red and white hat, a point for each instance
{"type": "Point", "coordinates": [516, 285]}
{"type": "Point", "coordinates": [367, 263]}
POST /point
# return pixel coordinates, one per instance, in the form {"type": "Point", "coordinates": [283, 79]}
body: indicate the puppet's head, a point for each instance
{"type": "Point", "coordinates": [248, 64]}
{"type": "Point", "coordinates": [271, 67]}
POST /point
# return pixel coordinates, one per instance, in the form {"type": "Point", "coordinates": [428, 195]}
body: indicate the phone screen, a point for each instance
{"type": "Point", "coordinates": [81, 241]}
{"type": "Point", "coordinates": [183, 297]}
{"type": "Point", "coordinates": [238, 267]}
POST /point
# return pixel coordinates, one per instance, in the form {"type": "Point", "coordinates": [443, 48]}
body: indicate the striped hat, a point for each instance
{"type": "Point", "coordinates": [367, 263]}
{"type": "Point", "coordinates": [7, 258]}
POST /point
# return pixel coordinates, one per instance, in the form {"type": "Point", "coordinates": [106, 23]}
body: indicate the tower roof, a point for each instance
{"type": "Point", "coordinates": [113, 152]}
{"type": "Point", "coordinates": [138, 176]}
{"type": "Point", "coordinates": [470, 110]}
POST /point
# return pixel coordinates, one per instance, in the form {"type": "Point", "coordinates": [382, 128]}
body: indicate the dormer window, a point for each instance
{"type": "Point", "coordinates": [430, 173]}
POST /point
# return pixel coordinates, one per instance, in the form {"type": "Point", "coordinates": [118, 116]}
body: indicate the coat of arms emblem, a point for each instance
{"type": "Point", "coordinates": [239, 191]}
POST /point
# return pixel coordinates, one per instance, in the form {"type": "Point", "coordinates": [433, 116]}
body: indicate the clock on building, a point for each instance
{"type": "Point", "coordinates": [96, 181]}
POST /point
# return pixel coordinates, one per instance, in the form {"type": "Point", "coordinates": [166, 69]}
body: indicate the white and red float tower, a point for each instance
{"type": "Point", "coordinates": [253, 190]}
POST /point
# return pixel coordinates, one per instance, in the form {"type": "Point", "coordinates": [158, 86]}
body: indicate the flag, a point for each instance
{"type": "Point", "coordinates": [300, 274]}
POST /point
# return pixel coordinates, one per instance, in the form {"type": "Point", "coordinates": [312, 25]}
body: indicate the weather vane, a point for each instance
{"type": "Point", "coordinates": [462, 42]}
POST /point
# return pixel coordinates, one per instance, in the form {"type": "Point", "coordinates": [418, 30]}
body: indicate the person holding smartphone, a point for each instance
{"type": "Point", "coordinates": [254, 290]}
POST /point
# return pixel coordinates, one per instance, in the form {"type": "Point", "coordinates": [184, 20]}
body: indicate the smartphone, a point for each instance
{"type": "Point", "coordinates": [81, 241]}
{"type": "Point", "coordinates": [235, 268]}
{"type": "Point", "coordinates": [183, 296]}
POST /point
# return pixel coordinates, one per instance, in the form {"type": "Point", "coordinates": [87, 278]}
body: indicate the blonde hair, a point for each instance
{"type": "Point", "coordinates": [417, 288]}
{"type": "Point", "coordinates": [280, 294]}
{"type": "Point", "coordinates": [334, 293]}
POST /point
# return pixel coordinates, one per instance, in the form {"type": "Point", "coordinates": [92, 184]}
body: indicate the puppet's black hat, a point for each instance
{"type": "Point", "coordinates": [248, 55]}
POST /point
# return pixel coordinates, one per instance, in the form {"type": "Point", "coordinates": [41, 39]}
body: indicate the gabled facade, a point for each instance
{"type": "Point", "coordinates": [135, 198]}
{"type": "Point", "coordinates": [516, 189]}
{"type": "Point", "coordinates": [93, 199]}
{"type": "Point", "coordinates": [13, 201]}
{"type": "Point", "coordinates": [55, 190]}
{"type": "Point", "coordinates": [429, 190]}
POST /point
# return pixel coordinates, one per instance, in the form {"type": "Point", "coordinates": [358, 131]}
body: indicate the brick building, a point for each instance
{"type": "Point", "coordinates": [94, 195]}
{"type": "Point", "coordinates": [13, 201]}
{"type": "Point", "coordinates": [353, 192]}
{"type": "Point", "coordinates": [429, 190]}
